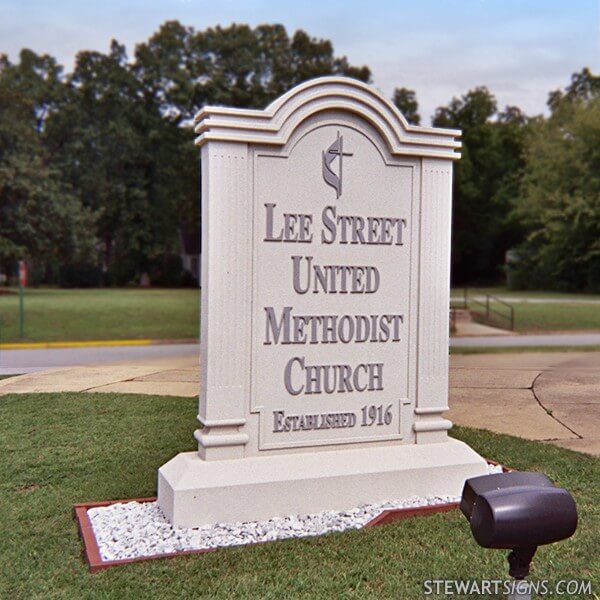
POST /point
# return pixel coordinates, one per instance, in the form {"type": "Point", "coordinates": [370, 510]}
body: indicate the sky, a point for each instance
{"type": "Point", "coordinates": [519, 49]}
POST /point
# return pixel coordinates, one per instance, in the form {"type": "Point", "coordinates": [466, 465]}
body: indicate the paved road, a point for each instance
{"type": "Point", "coordinates": [29, 361]}
{"type": "Point", "coordinates": [558, 339]}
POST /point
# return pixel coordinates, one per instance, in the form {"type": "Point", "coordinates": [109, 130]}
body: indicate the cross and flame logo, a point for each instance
{"type": "Point", "coordinates": [335, 150]}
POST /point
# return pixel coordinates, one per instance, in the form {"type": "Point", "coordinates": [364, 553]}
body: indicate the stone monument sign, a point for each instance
{"type": "Point", "coordinates": [324, 311]}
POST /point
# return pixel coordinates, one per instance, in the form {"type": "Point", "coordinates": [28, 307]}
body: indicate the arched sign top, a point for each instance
{"type": "Point", "coordinates": [324, 317]}
{"type": "Point", "coordinates": [275, 124]}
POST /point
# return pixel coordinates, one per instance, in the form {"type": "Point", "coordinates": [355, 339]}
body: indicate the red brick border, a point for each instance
{"type": "Point", "coordinates": [95, 562]}
{"type": "Point", "coordinates": [397, 514]}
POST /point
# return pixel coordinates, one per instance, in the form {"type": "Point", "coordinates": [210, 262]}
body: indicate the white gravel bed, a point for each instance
{"type": "Point", "coordinates": [136, 529]}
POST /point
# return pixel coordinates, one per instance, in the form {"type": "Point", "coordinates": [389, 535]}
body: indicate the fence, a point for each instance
{"type": "Point", "coordinates": [491, 309]}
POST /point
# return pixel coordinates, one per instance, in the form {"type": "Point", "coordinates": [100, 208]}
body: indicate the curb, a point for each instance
{"type": "Point", "coordinates": [90, 344]}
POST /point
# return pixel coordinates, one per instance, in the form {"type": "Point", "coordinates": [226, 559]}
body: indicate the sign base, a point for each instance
{"type": "Point", "coordinates": [193, 492]}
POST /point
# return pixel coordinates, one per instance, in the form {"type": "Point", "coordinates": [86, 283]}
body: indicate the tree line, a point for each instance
{"type": "Point", "coordinates": [530, 185]}
{"type": "Point", "coordinates": [98, 171]}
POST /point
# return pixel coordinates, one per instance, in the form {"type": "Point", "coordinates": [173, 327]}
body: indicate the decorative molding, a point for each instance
{"type": "Point", "coordinates": [432, 425]}
{"type": "Point", "coordinates": [431, 410]}
{"type": "Point", "coordinates": [221, 422]}
{"type": "Point", "coordinates": [222, 440]}
{"type": "Point", "coordinates": [281, 118]}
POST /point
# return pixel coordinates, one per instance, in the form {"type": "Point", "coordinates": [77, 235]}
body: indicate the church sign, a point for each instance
{"type": "Point", "coordinates": [324, 314]}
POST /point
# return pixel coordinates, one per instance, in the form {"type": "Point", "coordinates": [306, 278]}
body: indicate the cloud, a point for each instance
{"type": "Point", "coordinates": [520, 49]}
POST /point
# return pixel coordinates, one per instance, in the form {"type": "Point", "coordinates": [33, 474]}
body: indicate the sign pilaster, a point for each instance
{"type": "Point", "coordinates": [434, 301]}
{"type": "Point", "coordinates": [226, 298]}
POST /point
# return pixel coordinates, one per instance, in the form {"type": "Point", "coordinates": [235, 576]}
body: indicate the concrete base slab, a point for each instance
{"type": "Point", "coordinates": [193, 492]}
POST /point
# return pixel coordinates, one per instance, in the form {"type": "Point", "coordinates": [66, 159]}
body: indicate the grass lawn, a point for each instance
{"type": "Point", "coordinates": [519, 349]}
{"type": "Point", "coordinates": [101, 314]}
{"type": "Point", "coordinates": [59, 449]}
{"type": "Point", "coordinates": [536, 318]}
{"type": "Point", "coordinates": [566, 312]}
{"type": "Point", "coordinates": [134, 313]}
{"type": "Point", "coordinates": [504, 292]}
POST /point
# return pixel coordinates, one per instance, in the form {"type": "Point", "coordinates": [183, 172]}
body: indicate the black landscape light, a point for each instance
{"type": "Point", "coordinates": [518, 512]}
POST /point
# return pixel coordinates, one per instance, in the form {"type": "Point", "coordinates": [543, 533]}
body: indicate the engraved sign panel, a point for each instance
{"type": "Point", "coordinates": [333, 239]}
{"type": "Point", "coordinates": [324, 313]}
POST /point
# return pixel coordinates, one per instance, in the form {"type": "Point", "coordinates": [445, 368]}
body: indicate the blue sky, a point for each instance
{"type": "Point", "coordinates": [520, 49]}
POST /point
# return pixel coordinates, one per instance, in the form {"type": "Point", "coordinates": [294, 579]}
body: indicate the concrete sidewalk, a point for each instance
{"type": "Point", "coordinates": [553, 397]}
{"type": "Point", "coordinates": [468, 328]}
{"type": "Point", "coordinates": [165, 376]}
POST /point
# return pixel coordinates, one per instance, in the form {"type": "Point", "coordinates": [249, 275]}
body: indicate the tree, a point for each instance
{"type": "Point", "coordinates": [560, 195]}
{"type": "Point", "coordinates": [584, 86]}
{"type": "Point", "coordinates": [485, 181]}
{"type": "Point", "coordinates": [36, 78]}
{"type": "Point", "coordinates": [40, 218]}
{"type": "Point", "coordinates": [99, 166]}
{"type": "Point", "coordinates": [125, 160]}
{"type": "Point", "coordinates": [182, 69]}
{"type": "Point", "coordinates": [406, 101]}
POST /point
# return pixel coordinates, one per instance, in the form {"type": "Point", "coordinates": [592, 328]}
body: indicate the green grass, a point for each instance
{"type": "Point", "coordinates": [537, 318]}
{"type": "Point", "coordinates": [59, 449]}
{"type": "Point", "coordinates": [519, 349]}
{"type": "Point", "coordinates": [501, 292]}
{"type": "Point", "coordinates": [557, 317]}
{"type": "Point", "coordinates": [101, 314]}
{"type": "Point", "coordinates": [104, 314]}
